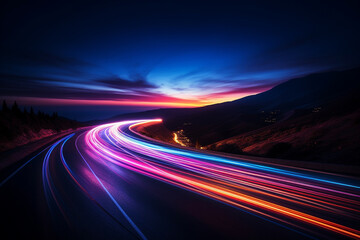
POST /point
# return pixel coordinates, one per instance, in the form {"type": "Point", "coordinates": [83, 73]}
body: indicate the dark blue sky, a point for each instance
{"type": "Point", "coordinates": [89, 60]}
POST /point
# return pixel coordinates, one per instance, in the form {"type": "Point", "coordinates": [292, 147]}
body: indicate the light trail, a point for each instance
{"type": "Point", "coordinates": [293, 198]}
{"type": "Point", "coordinates": [52, 194]}
{"type": "Point", "coordinates": [177, 140]}
{"type": "Point", "coordinates": [313, 204]}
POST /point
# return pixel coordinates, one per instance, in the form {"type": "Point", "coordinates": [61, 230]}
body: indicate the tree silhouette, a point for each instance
{"type": "Point", "coordinates": [40, 115]}
{"type": "Point", "coordinates": [24, 116]}
{"type": "Point", "coordinates": [27, 123]}
{"type": "Point", "coordinates": [54, 115]}
{"type": "Point", "coordinates": [15, 109]}
{"type": "Point", "coordinates": [32, 112]}
{"type": "Point", "coordinates": [5, 107]}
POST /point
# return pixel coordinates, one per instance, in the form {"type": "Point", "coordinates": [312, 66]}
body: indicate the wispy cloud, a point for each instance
{"type": "Point", "coordinates": [120, 83]}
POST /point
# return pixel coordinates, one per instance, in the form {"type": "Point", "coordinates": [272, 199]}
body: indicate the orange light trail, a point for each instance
{"type": "Point", "coordinates": [177, 140]}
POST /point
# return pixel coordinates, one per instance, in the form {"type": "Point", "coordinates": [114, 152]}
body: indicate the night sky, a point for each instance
{"type": "Point", "coordinates": [96, 60]}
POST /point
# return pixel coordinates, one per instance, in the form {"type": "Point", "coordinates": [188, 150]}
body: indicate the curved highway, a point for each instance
{"type": "Point", "coordinates": [112, 183]}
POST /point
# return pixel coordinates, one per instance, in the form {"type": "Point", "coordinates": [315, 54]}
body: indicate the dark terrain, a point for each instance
{"type": "Point", "coordinates": [19, 127]}
{"type": "Point", "coordinates": [325, 136]}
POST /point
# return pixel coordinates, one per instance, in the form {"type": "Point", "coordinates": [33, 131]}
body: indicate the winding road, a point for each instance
{"type": "Point", "coordinates": [110, 182]}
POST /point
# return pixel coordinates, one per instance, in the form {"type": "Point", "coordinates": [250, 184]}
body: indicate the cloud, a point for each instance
{"type": "Point", "coordinates": [120, 83]}
{"type": "Point", "coordinates": [35, 87]}
{"type": "Point", "coordinates": [47, 75]}
{"type": "Point", "coordinates": [243, 90]}
{"type": "Point", "coordinates": [289, 55]}
{"type": "Point", "coordinates": [43, 62]}
{"type": "Point", "coordinates": [189, 74]}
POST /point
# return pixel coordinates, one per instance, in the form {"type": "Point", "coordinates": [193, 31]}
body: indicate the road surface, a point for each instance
{"type": "Point", "coordinates": [112, 183]}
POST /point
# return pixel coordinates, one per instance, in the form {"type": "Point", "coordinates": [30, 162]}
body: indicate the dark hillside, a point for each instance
{"type": "Point", "coordinates": [319, 135]}
{"type": "Point", "coordinates": [20, 127]}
